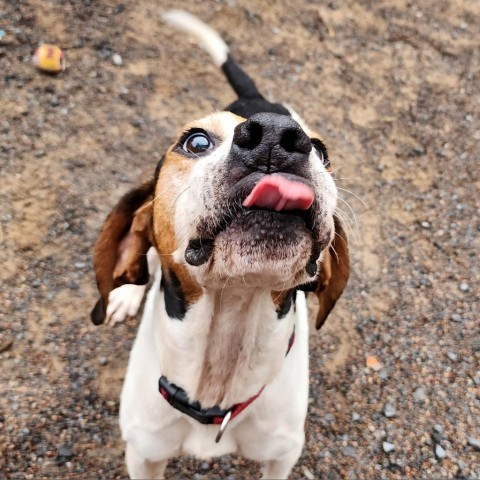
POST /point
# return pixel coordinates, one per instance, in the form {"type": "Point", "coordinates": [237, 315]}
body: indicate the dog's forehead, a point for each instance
{"type": "Point", "coordinates": [221, 124]}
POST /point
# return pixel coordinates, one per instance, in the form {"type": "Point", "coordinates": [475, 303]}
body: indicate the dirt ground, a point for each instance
{"type": "Point", "coordinates": [394, 87]}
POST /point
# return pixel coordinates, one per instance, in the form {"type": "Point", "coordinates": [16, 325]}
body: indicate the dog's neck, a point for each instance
{"type": "Point", "coordinates": [230, 344]}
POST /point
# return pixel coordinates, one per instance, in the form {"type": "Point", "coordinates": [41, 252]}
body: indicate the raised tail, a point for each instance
{"type": "Point", "coordinates": [213, 44]}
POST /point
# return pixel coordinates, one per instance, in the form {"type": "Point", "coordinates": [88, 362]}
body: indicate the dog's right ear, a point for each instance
{"type": "Point", "coordinates": [121, 250]}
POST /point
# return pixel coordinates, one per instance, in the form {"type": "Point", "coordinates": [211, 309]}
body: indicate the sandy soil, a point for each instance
{"type": "Point", "coordinates": [394, 87]}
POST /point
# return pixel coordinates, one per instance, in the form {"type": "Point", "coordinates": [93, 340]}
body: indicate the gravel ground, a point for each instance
{"type": "Point", "coordinates": [394, 89]}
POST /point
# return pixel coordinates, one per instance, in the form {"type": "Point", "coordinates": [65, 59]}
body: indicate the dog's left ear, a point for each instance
{"type": "Point", "coordinates": [121, 250]}
{"type": "Point", "coordinates": [333, 276]}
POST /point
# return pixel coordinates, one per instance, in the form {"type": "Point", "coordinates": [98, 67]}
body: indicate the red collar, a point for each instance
{"type": "Point", "coordinates": [178, 398]}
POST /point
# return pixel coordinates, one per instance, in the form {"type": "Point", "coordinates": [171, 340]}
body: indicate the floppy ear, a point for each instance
{"type": "Point", "coordinates": [121, 250]}
{"type": "Point", "coordinates": [333, 275]}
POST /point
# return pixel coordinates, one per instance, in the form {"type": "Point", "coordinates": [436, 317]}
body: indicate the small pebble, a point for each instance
{"type": "Point", "coordinates": [464, 287]}
{"type": "Point", "coordinates": [456, 317]}
{"type": "Point", "coordinates": [425, 225]}
{"type": "Point", "coordinates": [373, 363]}
{"type": "Point", "coordinates": [329, 418]}
{"type": "Point", "coordinates": [388, 447]}
{"type": "Point", "coordinates": [103, 361]}
{"type": "Point", "coordinates": [308, 474]}
{"type": "Point", "coordinates": [383, 374]}
{"type": "Point", "coordinates": [474, 442]}
{"type": "Point", "coordinates": [389, 410]}
{"type": "Point", "coordinates": [355, 417]}
{"type": "Point", "coordinates": [437, 437]}
{"type": "Point", "coordinates": [417, 150]}
{"type": "Point", "coordinates": [137, 122]}
{"type": "Point", "coordinates": [452, 356]}
{"type": "Point", "coordinates": [117, 60]}
{"type": "Point", "coordinates": [419, 395]}
{"type": "Point", "coordinates": [65, 451]}
{"type": "Point", "coordinates": [438, 428]}
{"type": "Point", "coordinates": [349, 451]}
{"type": "Point", "coordinates": [440, 452]}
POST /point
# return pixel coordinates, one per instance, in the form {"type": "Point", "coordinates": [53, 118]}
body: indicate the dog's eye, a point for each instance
{"type": "Point", "coordinates": [197, 142]}
{"type": "Point", "coordinates": [321, 149]}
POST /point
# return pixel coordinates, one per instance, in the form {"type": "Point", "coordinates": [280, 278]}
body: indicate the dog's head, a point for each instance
{"type": "Point", "coordinates": [233, 201]}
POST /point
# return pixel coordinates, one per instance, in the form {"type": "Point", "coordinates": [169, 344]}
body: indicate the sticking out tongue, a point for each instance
{"type": "Point", "coordinates": [278, 193]}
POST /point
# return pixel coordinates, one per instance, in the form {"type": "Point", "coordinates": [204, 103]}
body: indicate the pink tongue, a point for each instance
{"type": "Point", "coordinates": [278, 193]}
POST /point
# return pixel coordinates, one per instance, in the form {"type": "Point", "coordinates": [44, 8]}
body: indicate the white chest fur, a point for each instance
{"type": "Point", "coordinates": [229, 345]}
{"type": "Point", "coordinates": [255, 342]}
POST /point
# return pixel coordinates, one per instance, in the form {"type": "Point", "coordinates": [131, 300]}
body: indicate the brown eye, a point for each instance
{"type": "Point", "coordinates": [321, 149]}
{"type": "Point", "coordinates": [197, 142]}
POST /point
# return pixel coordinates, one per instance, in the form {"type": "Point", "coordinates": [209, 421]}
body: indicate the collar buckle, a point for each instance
{"type": "Point", "coordinates": [223, 426]}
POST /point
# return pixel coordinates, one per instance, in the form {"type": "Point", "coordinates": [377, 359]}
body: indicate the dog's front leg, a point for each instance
{"type": "Point", "coordinates": [141, 468]}
{"type": "Point", "coordinates": [280, 468]}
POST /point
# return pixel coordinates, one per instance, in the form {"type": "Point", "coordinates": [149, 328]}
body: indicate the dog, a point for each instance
{"type": "Point", "coordinates": [236, 223]}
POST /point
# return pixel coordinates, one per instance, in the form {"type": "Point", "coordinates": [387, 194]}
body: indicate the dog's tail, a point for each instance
{"type": "Point", "coordinates": [213, 43]}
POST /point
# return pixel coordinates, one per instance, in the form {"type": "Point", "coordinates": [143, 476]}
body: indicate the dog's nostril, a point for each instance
{"type": "Point", "coordinates": [289, 140]}
{"type": "Point", "coordinates": [251, 136]}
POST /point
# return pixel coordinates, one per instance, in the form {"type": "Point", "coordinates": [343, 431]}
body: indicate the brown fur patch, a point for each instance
{"type": "Point", "coordinates": [120, 251]}
{"type": "Point", "coordinates": [170, 186]}
{"type": "Point", "coordinates": [278, 298]}
{"type": "Point", "coordinates": [334, 273]}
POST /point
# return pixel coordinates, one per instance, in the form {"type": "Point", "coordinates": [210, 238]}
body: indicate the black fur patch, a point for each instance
{"type": "Point", "coordinates": [286, 305]}
{"type": "Point", "coordinates": [175, 303]}
{"type": "Point", "coordinates": [243, 85]}
{"type": "Point", "coordinates": [250, 100]}
{"type": "Point", "coordinates": [246, 107]}
{"type": "Point", "coordinates": [98, 313]}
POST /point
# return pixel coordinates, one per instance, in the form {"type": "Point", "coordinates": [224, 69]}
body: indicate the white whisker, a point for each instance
{"type": "Point", "coordinates": [355, 195]}
{"type": "Point", "coordinates": [341, 166]}
{"type": "Point", "coordinates": [333, 248]}
{"type": "Point", "coordinates": [344, 217]}
{"type": "Point", "coordinates": [353, 213]}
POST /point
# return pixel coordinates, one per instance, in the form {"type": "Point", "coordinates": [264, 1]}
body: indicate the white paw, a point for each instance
{"type": "Point", "coordinates": [124, 302]}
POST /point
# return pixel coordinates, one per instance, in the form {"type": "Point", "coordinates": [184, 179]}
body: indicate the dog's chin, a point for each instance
{"type": "Point", "coordinates": [262, 248]}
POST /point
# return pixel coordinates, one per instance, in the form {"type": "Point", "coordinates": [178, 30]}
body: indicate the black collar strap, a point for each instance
{"type": "Point", "coordinates": [177, 397]}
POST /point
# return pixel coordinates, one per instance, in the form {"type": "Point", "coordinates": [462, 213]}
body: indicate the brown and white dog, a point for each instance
{"type": "Point", "coordinates": [238, 220]}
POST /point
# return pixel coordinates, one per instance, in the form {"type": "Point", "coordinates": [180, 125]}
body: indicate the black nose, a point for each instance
{"type": "Point", "coordinates": [270, 142]}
